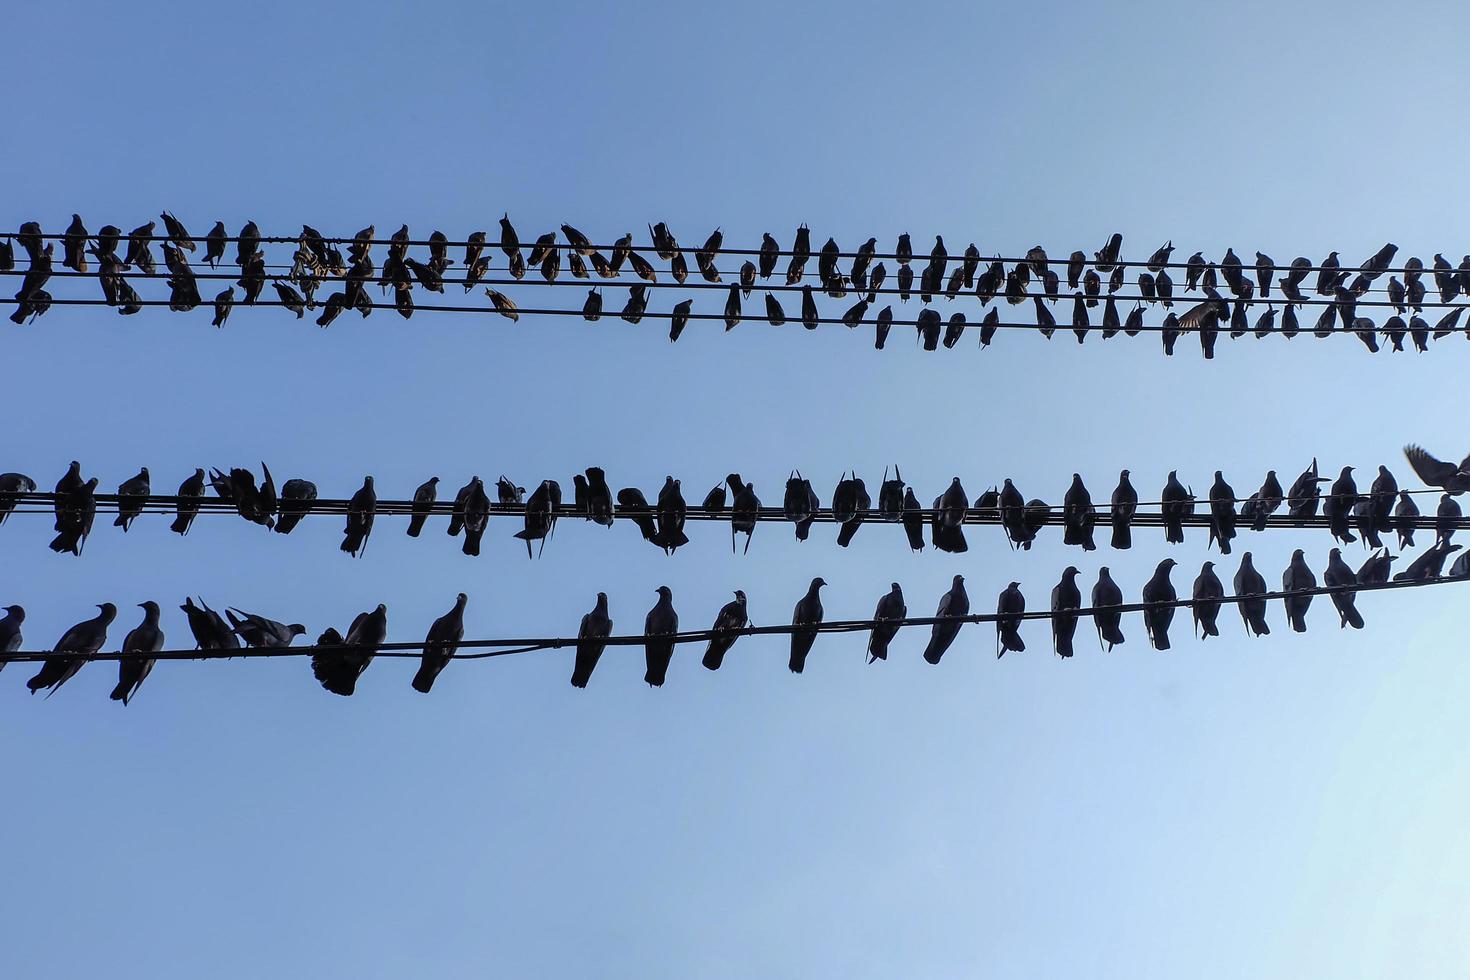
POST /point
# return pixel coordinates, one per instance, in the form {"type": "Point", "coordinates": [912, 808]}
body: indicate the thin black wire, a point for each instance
{"type": "Point", "coordinates": [919, 256]}
{"type": "Point", "coordinates": [1222, 327]}
{"type": "Point", "coordinates": [1181, 300]}
{"type": "Point", "coordinates": [505, 647]}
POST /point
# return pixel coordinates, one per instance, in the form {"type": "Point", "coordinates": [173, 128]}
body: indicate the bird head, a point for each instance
{"type": "Point", "coordinates": [664, 592]}
{"type": "Point", "coordinates": [296, 629]}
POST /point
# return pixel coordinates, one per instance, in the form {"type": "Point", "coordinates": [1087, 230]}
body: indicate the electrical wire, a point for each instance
{"type": "Point", "coordinates": [503, 647]}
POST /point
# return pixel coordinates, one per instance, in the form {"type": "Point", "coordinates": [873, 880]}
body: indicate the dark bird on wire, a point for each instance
{"type": "Point", "coordinates": [1249, 583]}
{"type": "Point", "coordinates": [1066, 598]}
{"type": "Point", "coordinates": [1405, 514]}
{"type": "Point", "coordinates": [1339, 576]}
{"type": "Point", "coordinates": [770, 253]}
{"type": "Point", "coordinates": [1108, 622]}
{"type": "Point", "coordinates": [1304, 496]}
{"type": "Point", "coordinates": [1451, 477]}
{"type": "Point", "coordinates": [1078, 515]}
{"type": "Point", "coordinates": [298, 498]}
{"type": "Point", "coordinates": [1297, 577]}
{"type": "Point", "coordinates": [806, 616]}
{"type": "Point", "coordinates": [732, 618]}
{"type": "Point", "coordinates": [1175, 504]}
{"type": "Point", "coordinates": [953, 606]}
{"type": "Point", "coordinates": [659, 627]}
{"type": "Point", "coordinates": [362, 508]}
{"type": "Point", "coordinates": [1207, 595]}
{"type": "Point", "coordinates": [890, 610]}
{"type": "Point", "coordinates": [1123, 507]}
{"type": "Point", "coordinates": [670, 516]}
{"type": "Point", "coordinates": [338, 670]}
{"type": "Point", "coordinates": [440, 645]}
{"type": "Point", "coordinates": [1008, 611]}
{"type": "Point", "coordinates": [591, 641]}
{"type": "Point", "coordinates": [744, 510]}
{"type": "Point", "coordinates": [75, 513]}
{"type": "Point", "coordinates": [132, 494]}
{"type": "Point", "coordinates": [1264, 502]}
{"type": "Point", "coordinates": [1446, 518]}
{"type": "Point", "coordinates": [1158, 598]}
{"type": "Point", "coordinates": [913, 519]}
{"type": "Point", "coordinates": [10, 630]}
{"type": "Point", "coordinates": [1338, 507]}
{"type": "Point", "coordinates": [1222, 513]}
{"type": "Point", "coordinates": [214, 244]}
{"type": "Point", "coordinates": [74, 245]}
{"type": "Point", "coordinates": [800, 504]}
{"type": "Point", "coordinates": [12, 485]}
{"type": "Point", "coordinates": [423, 505]}
{"type": "Point", "coordinates": [261, 632]}
{"type": "Point", "coordinates": [72, 650]}
{"type": "Point", "coordinates": [145, 638]}
{"type": "Point", "coordinates": [1429, 565]}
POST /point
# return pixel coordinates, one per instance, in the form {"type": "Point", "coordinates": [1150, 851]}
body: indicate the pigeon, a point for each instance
{"type": "Point", "coordinates": [1249, 583]}
{"type": "Point", "coordinates": [1013, 515]}
{"type": "Point", "coordinates": [1339, 576]}
{"type": "Point", "coordinates": [1078, 515]}
{"type": "Point", "coordinates": [806, 617]}
{"type": "Point", "coordinates": [71, 481]}
{"type": "Point", "coordinates": [1109, 623]}
{"type": "Point", "coordinates": [132, 494]}
{"type": "Point", "coordinates": [770, 253]}
{"type": "Point", "coordinates": [361, 509]}
{"type": "Point", "coordinates": [800, 504]}
{"type": "Point", "coordinates": [659, 627]}
{"type": "Point", "coordinates": [591, 641]}
{"type": "Point", "coordinates": [1381, 494]}
{"type": "Point", "coordinates": [541, 515]}
{"type": "Point", "coordinates": [1446, 519]}
{"type": "Point", "coordinates": [913, 520]}
{"type": "Point", "coordinates": [1264, 502]}
{"type": "Point", "coordinates": [440, 645]}
{"type": "Point", "coordinates": [338, 670]}
{"type": "Point", "coordinates": [423, 505]}
{"type": "Point", "coordinates": [1303, 497]}
{"type": "Point", "coordinates": [731, 619]}
{"type": "Point", "coordinates": [1174, 506]}
{"type": "Point", "coordinates": [74, 648]}
{"type": "Point", "coordinates": [298, 498]}
{"type": "Point", "coordinates": [670, 517]}
{"type": "Point", "coordinates": [1297, 578]}
{"type": "Point", "coordinates": [1206, 599]}
{"type": "Point", "coordinates": [1009, 609]}
{"type": "Point", "coordinates": [1450, 477]}
{"type": "Point", "coordinates": [953, 605]}
{"type": "Point", "coordinates": [744, 511]}
{"type": "Point", "coordinates": [1222, 513]}
{"type": "Point", "coordinates": [10, 633]}
{"type": "Point", "coordinates": [1066, 598]}
{"type": "Point", "coordinates": [12, 486]}
{"type": "Point", "coordinates": [1327, 274]}
{"type": "Point", "coordinates": [1265, 269]}
{"type": "Point", "coordinates": [1429, 565]}
{"type": "Point", "coordinates": [890, 610]}
{"type": "Point", "coordinates": [801, 250]}
{"type": "Point", "coordinates": [1158, 605]}
{"type": "Point", "coordinates": [599, 497]}
{"type": "Point", "coordinates": [1365, 524]}
{"type": "Point", "coordinates": [1405, 517]}
{"type": "Point", "coordinates": [74, 245]}
{"type": "Point", "coordinates": [852, 496]}
{"type": "Point", "coordinates": [75, 513]}
{"type": "Point", "coordinates": [263, 633]}
{"type": "Point", "coordinates": [1338, 507]}
{"type": "Point", "coordinates": [714, 501]}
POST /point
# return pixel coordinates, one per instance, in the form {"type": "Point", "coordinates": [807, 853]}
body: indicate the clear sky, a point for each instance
{"type": "Point", "coordinates": [1283, 807]}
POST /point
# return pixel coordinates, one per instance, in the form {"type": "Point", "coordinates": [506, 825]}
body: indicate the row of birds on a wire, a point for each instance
{"type": "Point", "coordinates": [317, 259]}
{"type": "Point", "coordinates": [1381, 508]}
{"type": "Point", "coordinates": [338, 659]}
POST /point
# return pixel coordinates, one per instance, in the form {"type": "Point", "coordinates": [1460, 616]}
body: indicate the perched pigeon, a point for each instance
{"type": "Point", "coordinates": [953, 605]}
{"type": "Point", "coordinates": [1009, 609]}
{"type": "Point", "coordinates": [1298, 577]}
{"type": "Point", "coordinates": [591, 641]}
{"type": "Point", "coordinates": [361, 509]}
{"type": "Point", "coordinates": [1066, 598]}
{"type": "Point", "coordinates": [258, 631]}
{"type": "Point", "coordinates": [423, 505]}
{"type": "Point", "coordinates": [731, 620]}
{"type": "Point", "coordinates": [338, 670]}
{"type": "Point", "coordinates": [72, 651]}
{"type": "Point", "coordinates": [440, 645]}
{"type": "Point", "coordinates": [1339, 575]}
{"type": "Point", "coordinates": [1158, 598]}
{"type": "Point", "coordinates": [891, 608]}
{"type": "Point", "coordinates": [659, 627]}
{"type": "Point", "coordinates": [1207, 596]}
{"type": "Point", "coordinates": [1106, 593]}
{"type": "Point", "coordinates": [1250, 583]}
{"type": "Point", "coordinates": [806, 617]}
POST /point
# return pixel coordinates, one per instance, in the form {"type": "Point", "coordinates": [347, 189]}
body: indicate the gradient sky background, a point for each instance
{"type": "Point", "coordinates": [1275, 808]}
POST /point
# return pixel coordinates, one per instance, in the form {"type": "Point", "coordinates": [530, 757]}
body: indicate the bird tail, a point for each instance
{"type": "Point", "coordinates": [423, 681]}
{"type": "Point", "coordinates": [1122, 537]}
{"type": "Point", "coordinates": [415, 526]}
{"type": "Point", "coordinates": [1352, 617]}
{"type": "Point", "coordinates": [121, 693]}
{"type": "Point", "coordinates": [471, 545]}
{"type": "Point", "coordinates": [180, 524]}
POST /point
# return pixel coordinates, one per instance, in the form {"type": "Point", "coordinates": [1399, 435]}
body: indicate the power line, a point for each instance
{"type": "Point", "coordinates": [918, 256]}
{"type": "Point", "coordinates": [1220, 329]}
{"type": "Point", "coordinates": [502, 647]}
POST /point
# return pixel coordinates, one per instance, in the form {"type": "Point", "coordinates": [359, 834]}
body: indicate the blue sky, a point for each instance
{"type": "Point", "coordinates": [1272, 808]}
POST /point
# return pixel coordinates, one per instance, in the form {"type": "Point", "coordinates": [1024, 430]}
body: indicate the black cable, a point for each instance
{"type": "Point", "coordinates": [503, 647]}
